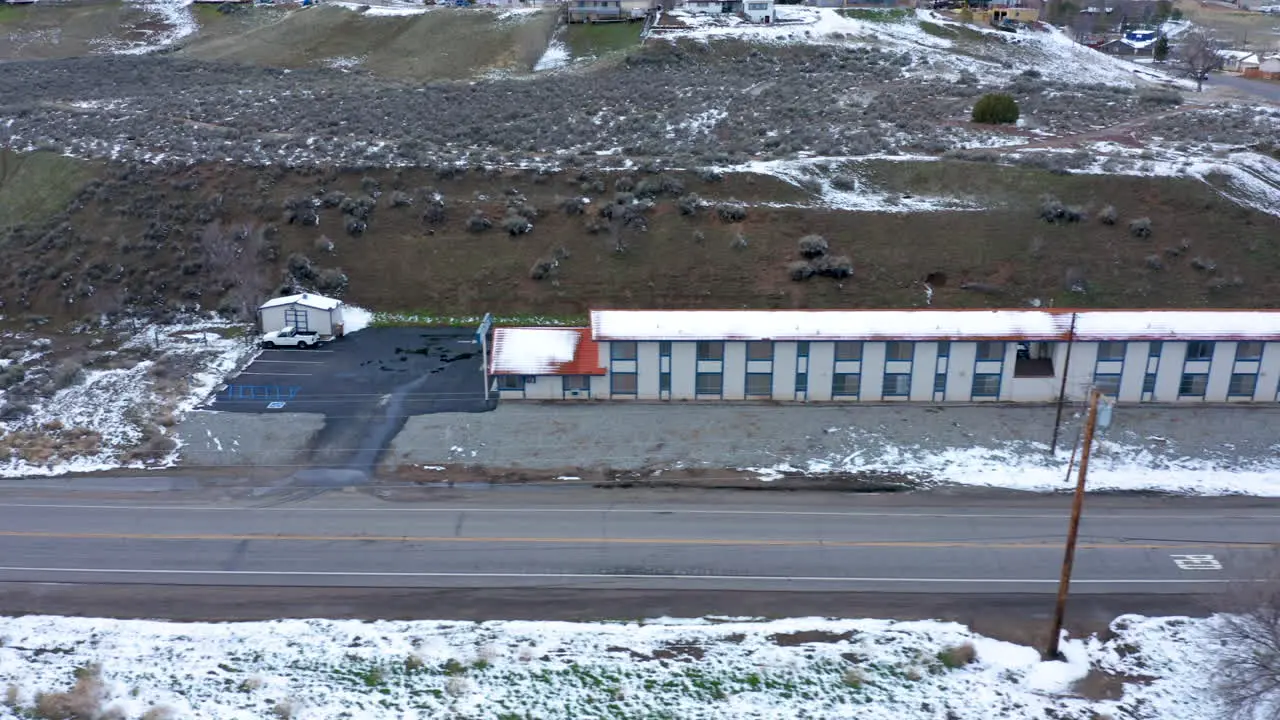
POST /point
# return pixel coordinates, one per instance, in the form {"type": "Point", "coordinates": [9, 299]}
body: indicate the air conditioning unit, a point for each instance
{"type": "Point", "coordinates": [575, 393]}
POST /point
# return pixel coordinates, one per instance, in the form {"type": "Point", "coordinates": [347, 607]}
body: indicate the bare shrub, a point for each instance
{"type": "Point", "coordinates": [731, 212]}
{"type": "Point", "coordinates": [479, 222]}
{"type": "Point", "coordinates": [1204, 264]}
{"type": "Point", "coordinates": [434, 212]}
{"type": "Point", "coordinates": [800, 270]}
{"type": "Point", "coordinates": [739, 241]}
{"type": "Point", "coordinates": [457, 686]}
{"type": "Point", "coordinates": [854, 678]}
{"type": "Point", "coordinates": [689, 204]}
{"type": "Point", "coordinates": [624, 184]}
{"type": "Point", "coordinates": [12, 694]}
{"type": "Point", "coordinates": [323, 244]}
{"type": "Point", "coordinates": [838, 267]}
{"type": "Point", "coordinates": [160, 712]}
{"type": "Point", "coordinates": [333, 198]}
{"type": "Point", "coordinates": [82, 702]}
{"type": "Point", "coordinates": [1052, 210]}
{"type": "Point", "coordinates": [66, 374]}
{"type": "Point", "coordinates": [844, 182]}
{"type": "Point", "coordinates": [283, 710]}
{"type": "Point", "coordinates": [1159, 96]}
{"type": "Point", "coordinates": [812, 246]}
{"type": "Point", "coordinates": [516, 225]}
{"type": "Point", "coordinates": [710, 175]}
{"type": "Point", "coordinates": [354, 226]}
{"type": "Point", "coordinates": [573, 206]}
{"type": "Point", "coordinates": [1154, 262]}
{"type": "Point", "coordinates": [1140, 228]}
{"type": "Point", "coordinates": [400, 199]}
{"type": "Point", "coordinates": [1108, 215]}
{"type": "Point", "coordinates": [542, 268]}
{"type": "Point", "coordinates": [332, 281]}
{"type": "Point", "coordinates": [699, 236]}
{"type": "Point", "coordinates": [957, 656]}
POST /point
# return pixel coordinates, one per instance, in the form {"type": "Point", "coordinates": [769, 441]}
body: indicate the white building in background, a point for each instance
{"type": "Point", "coordinates": [307, 311]}
{"type": "Point", "coordinates": [756, 11]}
{"type": "Point", "coordinates": [923, 356]}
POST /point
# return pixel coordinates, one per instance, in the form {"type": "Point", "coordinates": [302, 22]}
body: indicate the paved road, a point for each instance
{"type": "Point", "coordinates": [1257, 88]}
{"type": "Point", "coordinates": [597, 540]}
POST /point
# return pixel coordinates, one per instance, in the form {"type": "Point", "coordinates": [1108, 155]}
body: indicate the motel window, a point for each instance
{"type": "Point", "coordinates": [1200, 350]}
{"type": "Point", "coordinates": [664, 348]}
{"type": "Point", "coordinates": [760, 350]}
{"type": "Point", "coordinates": [846, 384]}
{"type": "Point", "coordinates": [577, 382]}
{"type": "Point", "coordinates": [759, 384]}
{"type": "Point", "coordinates": [1149, 383]}
{"type": "Point", "coordinates": [990, 352]}
{"type": "Point", "coordinates": [940, 383]}
{"type": "Point", "coordinates": [622, 350]}
{"type": "Point", "coordinates": [896, 385]}
{"type": "Point", "coordinates": [511, 382]}
{"type": "Point", "coordinates": [622, 384]}
{"type": "Point", "coordinates": [1193, 384]}
{"type": "Point", "coordinates": [986, 384]}
{"type": "Point", "coordinates": [1107, 383]}
{"type": "Point", "coordinates": [899, 351]}
{"type": "Point", "coordinates": [802, 382]}
{"type": "Point", "coordinates": [758, 7]}
{"type": "Point", "coordinates": [1154, 348]}
{"type": "Point", "coordinates": [709, 384]}
{"type": "Point", "coordinates": [802, 349]}
{"type": "Point", "coordinates": [944, 349]}
{"type": "Point", "coordinates": [1242, 385]}
{"type": "Point", "coordinates": [1110, 351]}
{"type": "Point", "coordinates": [709, 350]}
{"type": "Point", "coordinates": [848, 350]}
{"type": "Point", "coordinates": [1249, 351]}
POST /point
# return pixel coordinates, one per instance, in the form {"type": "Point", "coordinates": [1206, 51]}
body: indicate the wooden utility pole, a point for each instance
{"type": "Point", "coordinates": [1062, 390]}
{"type": "Point", "coordinates": [1069, 558]}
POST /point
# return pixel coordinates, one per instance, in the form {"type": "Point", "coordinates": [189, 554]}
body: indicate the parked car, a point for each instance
{"type": "Point", "coordinates": [291, 337]}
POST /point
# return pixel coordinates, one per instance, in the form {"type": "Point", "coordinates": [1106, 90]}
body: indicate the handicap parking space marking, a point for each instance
{"type": "Point", "coordinates": [1196, 562]}
{"type": "Point", "coordinates": [277, 405]}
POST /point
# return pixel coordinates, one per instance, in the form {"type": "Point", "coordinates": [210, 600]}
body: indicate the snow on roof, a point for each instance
{"type": "Point", "coordinates": [310, 300]}
{"type": "Point", "coordinates": [544, 351]}
{"type": "Point", "coordinates": [1046, 325]}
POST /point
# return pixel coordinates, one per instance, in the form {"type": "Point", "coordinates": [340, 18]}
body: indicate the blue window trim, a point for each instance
{"type": "Point", "coordinates": [564, 390]}
{"type": "Point", "coordinates": [519, 385]}
{"type": "Point", "coordinates": [1262, 348]}
{"type": "Point", "coordinates": [613, 390]}
{"type": "Point", "coordinates": [999, 384]}
{"type": "Point", "coordinates": [1154, 348]}
{"type": "Point", "coordinates": [746, 385]}
{"type": "Point", "coordinates": [911, 359]}
{"type": "Point", "coordinates": [699, 394]}
{"type": "Point", "coordinates": [802, 383]}
{"type": "Point", "coordinates": [884, 386]}
{"type": "Point", "coordinates": [1205, 375]}
{"type": "Point", "coordinates": [1241, 395]}
{"type": "Point", "coordinates": [1124, 350]}
{"type": "Point", "coordinates": [1004, 353]}
{"type": "Point", "coordinates": [664, 349]}
{"type": "Point", "coordinates": [802, 349]}
{"type": "Point", "coordinates": [939, 389]}
{"type": "Point", "coordinates": [1207, 343]}
{"type": "Point", "coordinates": [613, 351]}
{"type": "Point", "coordinates": [773, 350]}
{"type": "Point", "coordinates": [857, 395]}
{"type": "Point", "coordinates": [944, 348]}
{"type": "Point", "coordinates": [835, 350]}
{"type": "Point", "coordinates": [1152, 377]}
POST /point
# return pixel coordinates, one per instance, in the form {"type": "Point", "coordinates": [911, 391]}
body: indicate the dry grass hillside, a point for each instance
{"type": "Point", "coordinates": [447, 43]}
{"type": "Point", "coordinates": [520, 242]}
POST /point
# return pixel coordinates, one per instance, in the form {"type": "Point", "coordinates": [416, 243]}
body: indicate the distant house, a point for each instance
{"type": "Point", "coordinates": [756, 11]}
{"type": "Point", "coordinates": [1125, 47]}
{"type": "Point", "coordinates": [306, 311]}
{"type": "Point", "coordinates": [1233, 60]}
{"type": "Point", "coordinates": [1268, 69]}
{"type": "Point", "coordinates": [593, 11]}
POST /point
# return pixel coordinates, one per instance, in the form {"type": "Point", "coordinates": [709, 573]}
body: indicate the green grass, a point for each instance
{"type": "Point", "coordinates": [877, 15]}
{"type": "Point", "coordinates": [10, 13]}
{"type": "Point", "coordinates": [593, 40]}
{"type": "Point", "coordinates": [937, 30]}
{"type": "Point", "coordinates": [36, 185]}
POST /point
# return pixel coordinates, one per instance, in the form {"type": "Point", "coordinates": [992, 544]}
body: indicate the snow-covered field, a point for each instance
{"type": "Point", "coordinates": [731, 668]}
{"type": "Point", "coordinates": [119, 408]}
{"type": "Point", "coordinates": [1116, 465]}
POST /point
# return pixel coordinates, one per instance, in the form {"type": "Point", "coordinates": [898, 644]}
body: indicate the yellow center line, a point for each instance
{"type": "Point", "coordinates": [1042, 545]}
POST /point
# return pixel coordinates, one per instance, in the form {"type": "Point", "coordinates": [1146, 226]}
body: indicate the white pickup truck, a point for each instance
{"type": "Point", "coordinates": [291, 337]}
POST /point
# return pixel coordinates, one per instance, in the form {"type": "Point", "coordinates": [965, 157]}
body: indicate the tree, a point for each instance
{"type": "Point", "coordinates": [1161, 50]}
{"type": "Point", "coordinates": [1199, 55]}
{"type": "Point", "coordinates": [1176, 15]}
{"type": "Point", "coordinates": [1248, 678]}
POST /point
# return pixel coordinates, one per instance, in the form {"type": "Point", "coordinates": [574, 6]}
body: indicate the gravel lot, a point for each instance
{"type": "Point", "coordinates": [650, 436]}
{"type": "Point", "coordinates": [243, 440]}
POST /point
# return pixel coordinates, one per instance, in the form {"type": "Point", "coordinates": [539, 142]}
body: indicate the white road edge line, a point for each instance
{"type": "Point", "coordinates": [604, 576]}
{"type": "Point", "coordinates": [278, 374]}
{"type": "Point", "coordinates": [636, 511]}
{"type": "Point", "coordinates": [291, 362]}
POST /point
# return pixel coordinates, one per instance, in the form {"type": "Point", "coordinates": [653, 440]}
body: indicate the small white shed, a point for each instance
{"type": "Point", "coordinates": [307, 311]}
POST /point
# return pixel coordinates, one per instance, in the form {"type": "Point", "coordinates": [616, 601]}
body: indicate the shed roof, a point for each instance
{"type": "Point", "coordinates": [544, 351]}
{"type": "Point", "coordinates": [310, 300]}
{"type": "Point", "coordinates": [1045, 325]}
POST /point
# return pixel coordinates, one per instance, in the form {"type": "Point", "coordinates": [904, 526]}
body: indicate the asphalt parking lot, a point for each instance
{"type": "Point", "coordinates": [365, 384]}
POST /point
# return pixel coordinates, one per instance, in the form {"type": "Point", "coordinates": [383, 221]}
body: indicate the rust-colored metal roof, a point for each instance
{"type": "Point", "coordinates": [544, 351]}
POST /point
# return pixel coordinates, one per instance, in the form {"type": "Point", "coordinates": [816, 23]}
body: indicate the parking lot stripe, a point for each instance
{"type": "Point", "coordinates": [278, 374]}
{"type": "Point", "coordinates": [292, 362]}
{"type": "Point", "coordinates": [308, 351]}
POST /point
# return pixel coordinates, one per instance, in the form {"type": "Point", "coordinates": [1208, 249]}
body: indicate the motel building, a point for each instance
{"type": "Point", "coordinates": [922, 356]}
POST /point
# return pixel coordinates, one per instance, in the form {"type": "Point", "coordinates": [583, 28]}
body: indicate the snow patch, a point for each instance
{"type": "Point", "coordinates": [556, 57]}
